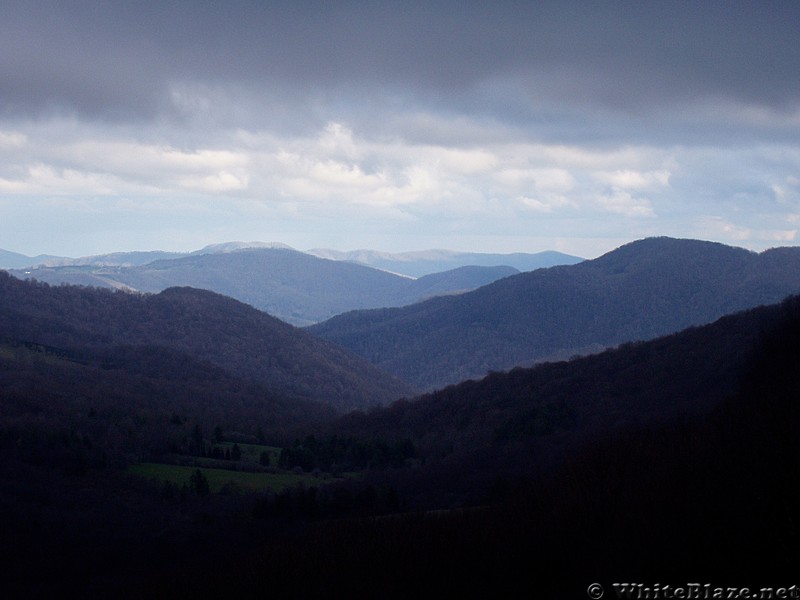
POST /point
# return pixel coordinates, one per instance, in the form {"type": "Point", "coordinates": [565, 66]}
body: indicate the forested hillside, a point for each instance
{"type": "Point", "coordinates": [642, 290]}
{"type": "Point", "coordinates": [641, 384]}
{"type": "Point", "coordinates": [248, 343]}
{"type": "Point", "coordinates": [663, 461]}
{"type": "Point", "coordinates": [539, 480]}
{"type": "Point", "coordinates": [115, 405]}
{"type": "Point", "coordinates": [668, 460]}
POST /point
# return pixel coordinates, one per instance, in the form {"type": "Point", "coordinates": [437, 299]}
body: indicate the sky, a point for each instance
{"type": "Point", "coordinates": [478, 126]}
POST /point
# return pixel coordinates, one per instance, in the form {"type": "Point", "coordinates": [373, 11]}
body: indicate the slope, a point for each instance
{"type": "Point", "coordinates": [426, 262]}
{"type": "Point", "coordinates": [246, 342]}
{"type": "Point", "coordinates": [526, 421]}
{"type": "Point", "coordinates": [639, 291]}
{"type": "Point", "coordinates": [14, 260]}
{"type": "Point", "coordinates": [125, 403]}
{"type": "Point", "coordinates": [665, 461]}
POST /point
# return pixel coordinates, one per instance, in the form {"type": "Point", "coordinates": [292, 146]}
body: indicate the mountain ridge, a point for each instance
{"type": "Point", "coordinates": [523, 261]}
{"type": "Point", "coordinates": [424, 262]}
{"type": "Point", "coordinates": [549, 475]}
{"type": "Point", "coordinates": [296, 287]}
{"type": "Point", "coordinates": [639, 291]}
{"type": "Point", "coordinates": [248, 343]}
{"type": "Point", "coordinates": [685, 374]}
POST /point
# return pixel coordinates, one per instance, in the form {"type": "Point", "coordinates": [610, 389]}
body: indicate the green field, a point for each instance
{"type": "Point", "coordinates": [251, 453]}
{"type": "Point", "coordinates": [218, 478]}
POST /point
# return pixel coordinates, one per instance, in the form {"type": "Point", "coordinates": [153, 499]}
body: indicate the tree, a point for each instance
{"type": "Point", "coordinates": [199, 483]}
{"type": "Point", "coordinates": [197, 444]}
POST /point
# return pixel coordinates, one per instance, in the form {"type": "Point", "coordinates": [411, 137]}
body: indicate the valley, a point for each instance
{"type": "Point", "coordinates": [183, 443]}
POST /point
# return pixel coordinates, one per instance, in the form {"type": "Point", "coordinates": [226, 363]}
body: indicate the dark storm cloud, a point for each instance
{"type": "Point", "coordinates": [121, 59]}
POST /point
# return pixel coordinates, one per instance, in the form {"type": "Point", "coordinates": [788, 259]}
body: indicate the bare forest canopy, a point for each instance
{"type": "Point", "coordinates": [640, 291]}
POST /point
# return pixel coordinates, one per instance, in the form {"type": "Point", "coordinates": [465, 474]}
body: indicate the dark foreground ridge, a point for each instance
{"type": "Point", "coordinates": [669, 461]}
{"type": "Point", "coordinates": [246, 342]}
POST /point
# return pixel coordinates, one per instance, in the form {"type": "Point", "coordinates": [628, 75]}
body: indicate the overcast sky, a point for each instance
{"type": "Point", "coordinates": [488, 126]}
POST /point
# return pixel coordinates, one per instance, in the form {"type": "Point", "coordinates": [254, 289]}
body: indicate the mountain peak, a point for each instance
{"type": "Point", "coordinates": [226, 247]}
{"type": "Point", "coordinates": [641, 290]}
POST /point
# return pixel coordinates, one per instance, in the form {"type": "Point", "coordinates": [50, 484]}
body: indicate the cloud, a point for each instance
{"type": "Point", "coordinates": [483, 122]}
{"type": "Point", "coordinates": [138, 62]}
{"type": "Point", "coordinates": [543, 204]}
{"type": "Point", "coordinates": [629, 179]}
{"type": "Point", "coordinates": [340, 168]}
{"type": "Point", "coordinates": [11, 140]}
{"type": "Point", "coordinates": [785, 237]}
{"type": "Point", "coordinates": [624, 203]}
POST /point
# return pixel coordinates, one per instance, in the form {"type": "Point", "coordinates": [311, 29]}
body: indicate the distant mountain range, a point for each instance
{"type": "Point", "coordinates": [425, 262]}
{"type": "Point", "coordinates": [639, 291]}
{"type": "Point", "coordinates": [297, 287]}
{"type": "Point", "coordinates": [245, 342]}
{"type": "Point", "coordinates": [412, 264]}
{"type": "Point", "coordinates": [13, 260]}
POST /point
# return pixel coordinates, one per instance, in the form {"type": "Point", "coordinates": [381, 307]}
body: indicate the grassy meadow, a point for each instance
{"type": "Point", "coordinates": [220, 479]}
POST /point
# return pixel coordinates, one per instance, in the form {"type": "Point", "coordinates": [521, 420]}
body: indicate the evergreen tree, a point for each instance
{"type": "Point", "coordinates": [196, 444]}
{"type": "Point", "coordinates": [199, 483]}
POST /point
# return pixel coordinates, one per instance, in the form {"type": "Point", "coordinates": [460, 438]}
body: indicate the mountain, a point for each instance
{"type": "Point", "coordinates": [454, 281]}
{"type": "Point", "coordinates": [294, 286]}
{"type": "Point", "coordinates": [577, 467]}
{"type": "Point", "coordinates": [235, 246]}
{"type": "Point", "coordinates": [425, 262]}
{"type": "Point", "coordinates": [301, 288]}
{"type": "Point", "coordinates": [133, 402]}
{"type": "Point", "coordinates": [639, 291]}
{"type": "Point", "coordinates": [13, 260]}
{"type": "Point", "coordinates": [410, 264]}
{"type": "Point", "coordinates": [681, 375]}
{"type": "Point", "coordinates": [209, 327]}
{"type": "Point", "coordinates": [539, 480]}
{"type": "Point", "coordinates": [114, 259]}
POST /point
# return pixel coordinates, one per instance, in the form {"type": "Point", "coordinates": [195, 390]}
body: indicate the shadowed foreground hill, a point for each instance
{"type": "Point", "coordinates": [116, 405]}
{"type": "Point", "coordinates": [676, 465]}
{"type": "Point", "coordinates": [667, 461]}
{"type": "Point", "coordinates": [683, 375]}
{"type": "Point", "coordinates": [639, 291]}
{"type": "Point", "coordinates": [248, 343]}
